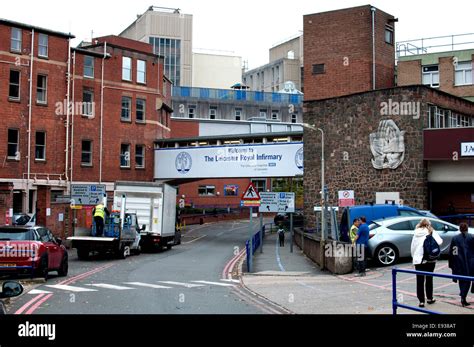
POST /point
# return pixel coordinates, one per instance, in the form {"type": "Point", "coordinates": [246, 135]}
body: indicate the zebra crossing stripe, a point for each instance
{"type": "Point", "coordinates": [109, 286]}
{"type": "Point", "coordinates": [70, 288]}
{"type": "Point", "coordinates": [38, 291]}
{"type": "Point", "coordinates": [148, 285]}
{"type": "Point", "coordinates": [215, 283]}
{"type": "Point", "coordinates": [187, 285]}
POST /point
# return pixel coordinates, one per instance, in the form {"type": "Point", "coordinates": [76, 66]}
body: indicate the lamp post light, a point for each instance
{"type": "Point", "coordinates": [323, 190]}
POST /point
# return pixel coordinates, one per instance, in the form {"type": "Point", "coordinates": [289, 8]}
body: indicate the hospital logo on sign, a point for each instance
{"type": "Point", "coordinates": [183, 163]}
{"type": "Point", "coordinates": [299, 159]}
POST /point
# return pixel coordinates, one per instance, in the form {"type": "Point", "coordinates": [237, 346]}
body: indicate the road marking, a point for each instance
{"type": "Point", "coordinates": [230, 280]}
{"type": "Point", "coordinates": [70, 288]}
{"type": "Point", "coordinates": [187, 285]}
{"type": "Point", "coordinates": [109, 286]}
{"type": "Point", "coordinates": [215, 283]}
{"type": "Point", "coordinates": [148, 285]}
{"type": "Point", "coordinates": [203, 236]}
{"type": "Point", "coordinates": [38, 304]}
{"type": "Point", "coordinates": [277, 247]}
{"type": "Point", "coordinates": [37, 291]}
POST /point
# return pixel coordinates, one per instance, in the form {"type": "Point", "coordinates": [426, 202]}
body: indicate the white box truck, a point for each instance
{"type": "Point", "coordinates": [155, 207]}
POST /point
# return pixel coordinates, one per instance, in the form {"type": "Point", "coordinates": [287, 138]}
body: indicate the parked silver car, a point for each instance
{"type": "Point", "coordinates": [390, 238]}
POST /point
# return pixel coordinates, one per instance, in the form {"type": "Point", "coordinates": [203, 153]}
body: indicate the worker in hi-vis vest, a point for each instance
{"type": "Point", "coordinates": [99, 213]}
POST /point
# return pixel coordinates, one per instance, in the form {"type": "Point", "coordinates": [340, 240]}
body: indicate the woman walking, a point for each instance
{"type": "Point", "coordinates": [461, 259]}
{"type": "Point", "coordinates": [423, 231]}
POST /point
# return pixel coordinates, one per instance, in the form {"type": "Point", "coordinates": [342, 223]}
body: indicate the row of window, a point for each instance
{"type": "Point", "coordinates": [127, 69]}
{"type": "Point", "coordinates": [238, 113]}
{"type": "Point", "coordinates": [125, 155]}
{"type": "Point", "coordinates": [16, 42]}
{"type": "Point", "coordinates": [13, 145]}
{"type": "Point", "coordinates": [462, 74]}
{"type": "Point", "coordinates": [442, 118]}
{"type": "Point", "coordinates": [41, 87]}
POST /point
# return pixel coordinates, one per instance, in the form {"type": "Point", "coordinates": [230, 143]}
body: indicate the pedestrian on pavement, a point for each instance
{"type": "Point", "coordinates": [354, 229]}
{"type": "Point", "coordinates": [281, 235]}
{"type": "Point", "coordinates": [461, 260]}
{"type": "Point", "coordinates": [419, 244]}
{"type": "Point", "coordinates": [99, 213]}
{"type": "Point", "coordinates": [362, 244]}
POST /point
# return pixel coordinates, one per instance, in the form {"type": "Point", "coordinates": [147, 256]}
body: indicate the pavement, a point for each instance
{"type": "Point", "coordinates": [294, 282]}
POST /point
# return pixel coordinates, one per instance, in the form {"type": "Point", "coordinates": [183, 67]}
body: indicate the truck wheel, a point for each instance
{"type": "Point", "coordinates": [169, 246]}
{"type": "Point", "coordinates": [124, 252]}
{"type": "Point", "coordinates": [83, 253]}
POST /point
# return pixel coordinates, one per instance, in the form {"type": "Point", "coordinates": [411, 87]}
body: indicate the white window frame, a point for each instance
{"type": "Point", "coordinates": [256, 183]}
{"type": "Point", "coordinates": [208, 190]}
{"type": "Point", "coordinates": [430, 74]}
{"type": "Point", "coordinates": [89, 67]}
{"type": "Point", "coordinates": [142, 166]}
{"type": "Point", "coordinates": [212, 112]}
{"type": "Point", "coordinates": [43, 45]}
{"type": "Point", "coordinates": [87, 106]}
{"type": "Point", "coordinates": [238, 113]}
{"type": "Point", "coordinates": [141, 71]}
{"type": "Point", "coordinates": [14, 39]}
{"type": "Point", "coordinates": [19, 85]}
{"type": "Point", "coordinates": [263, 113]}
{"type": "Point", "coordinates": [466, 71]}
{"type": "Point", "coordinates": [127, 70]}
{"type": "Point", "coordinates": [464, 121]}
{"type": "Point", "coordinates": [122, 118]}
{"type": "Point", "coordinates": [294, 118]}
{"type": "Point", "coordinates": [143, 101]}
{"type": "Point", "coordinates": [275, 115]}
{"type": "Point", "coordinates": [125, 155]}
{"type": "Point", "coordinates": [192, 114]}
{"type": "Point", "coordinates": [43, 146]}
{"type": "Point", "coordinates": [453, 120]}
{"type": "Point", "coordinates": [43, 88]}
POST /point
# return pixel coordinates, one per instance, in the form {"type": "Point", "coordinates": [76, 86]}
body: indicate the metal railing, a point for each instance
{"type": "Point", "coordinates": [435, 44]}
{"type": "Point", "coordinates": [396, 304]}
{"type": "Point", "coordinates": [236, 95]}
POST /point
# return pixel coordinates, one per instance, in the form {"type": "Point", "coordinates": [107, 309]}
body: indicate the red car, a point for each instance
{"type": "Point", "coordinates": [31, 250]}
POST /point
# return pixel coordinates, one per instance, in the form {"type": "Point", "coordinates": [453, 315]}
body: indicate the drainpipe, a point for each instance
{"type": "Point", "coordinates": [68, 100]}
{"type": "Point", "coordinates": [373, 9]}
{"type": "Point", "coordinates": [102, 113]}
{"type": "Point", "coordinates": [73, 108]}
{"type": "Point", "coordinates": [30, 111]}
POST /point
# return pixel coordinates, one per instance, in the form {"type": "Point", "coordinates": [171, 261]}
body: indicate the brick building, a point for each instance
{"type": "Point", "coordinates": [339, 52]}
{"type": "Point", "coordinates": [106, 134]}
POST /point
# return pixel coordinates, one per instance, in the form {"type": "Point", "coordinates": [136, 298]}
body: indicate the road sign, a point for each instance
{"type": "Point", "coordinates": [251, 193]}
{"type": "Point", "coordinates": [277, 202]}
{"type": "Point", "coordinates": [346, 198]}
{"type": "Point", "coordinates": [87, 194]}
{"type": "Point", "coordinates": [249, 203]}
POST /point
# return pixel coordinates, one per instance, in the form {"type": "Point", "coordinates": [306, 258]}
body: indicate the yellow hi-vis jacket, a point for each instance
{"type": "Point", "coordinates": [100, 211]}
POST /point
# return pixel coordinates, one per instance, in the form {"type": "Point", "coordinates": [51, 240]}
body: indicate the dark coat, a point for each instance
{"type": "Point", "coordinates": [461, 255]}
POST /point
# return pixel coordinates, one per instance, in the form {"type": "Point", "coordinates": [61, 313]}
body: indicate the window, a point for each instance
{"type": "Point", "coordinates": [141, 71]}
{"type": "Point", "coordinates": [126, 109]}
{"type": "Point", "coordinates": [440, 227]}
{"type": "Point", "coordinates": [87, 102]}
{"type": "Point", "coordinates": [389, 34]}
{"type": "Point", "coordinates": [275, 115]}
{"type": "Point", "coordinates": [43, 45]}
{"type": "Point", "coordinates": [165, 88]}
{"type": "Point", "coordinates": [171, 50]}
{"type": "Point", "coordinates": [41, 89]}
{"type": "Point", "coordinates": [40, 145]}
{"type": "Point", "coordinates": [453, 120]}
{"type": "Point", "coordinates": [213, 112]}
{"type": "Point", "coordinates": [260, 185]}
{"type": "Point", "coordinates": [440, 118]}
{"type": "Point", "coordinates": [464, 121]}
{"type": "Point", "coordinates": [291, 55]}
{"type": "Point", "coordinates": [263, 113]}
{"type": "Point", "coordinates": [191, 111]}
{"type": "Point", "coordinates": [318, 69]}
{"type": "Point", "coordinates": [463, 73]}
{"type": "Point", "coordinates": [401, 226]}
{"type": "Point", "coordinates": [13, 145]}
{"type": "Point", "coordinates": [86, 153]}
{"type": "Point", "coordinates": [430, 75]}
{"type": "Point", "coordinates": [14, 88]}
{"type": "Point", "coordinates": [126, 68]}
{"type": "Point", "coordinates": [140, 110]}
{"type": "Point", "coordinates": [294, 118]}
{"type": "Point", "coordinates": [125, 155]}
{"type": "Point", "coordinates": [207, 190]}
{"type": "Point", "coordinates": [16, 40]}
{"type": "Point", "coordinates": [88, 66]}
{"type": "Point", "coordinates": [238, 114]}
{"type": "Point", "coordinates": [140, 156]}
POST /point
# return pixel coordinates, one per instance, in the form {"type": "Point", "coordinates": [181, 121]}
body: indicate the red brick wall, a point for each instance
{"type": "Point", "coordinates": [180, 129]}
{"type": "Point", "coordinates": [6, 201]}
{"type": "Point", "coordinates": [342, 40]}
{"type": "Point", "coordinates": [409, 72]}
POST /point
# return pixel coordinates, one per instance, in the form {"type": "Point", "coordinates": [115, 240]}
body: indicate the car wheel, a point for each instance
{"type": "Point", "coordinates": [42, 271]}
{"type": "Point", "coordinates": [386, 255]}
{"type": "Point", "coordinates": [63, 270]}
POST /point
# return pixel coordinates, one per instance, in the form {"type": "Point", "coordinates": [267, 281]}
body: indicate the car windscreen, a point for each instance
{"type": "Point", "coordinates": [16, 235]}
{"type": "Point", "coordinates": [22, 219]}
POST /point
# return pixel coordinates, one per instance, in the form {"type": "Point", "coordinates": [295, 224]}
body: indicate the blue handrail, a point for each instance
{"type": "Point", "coordinates": [396, 304]}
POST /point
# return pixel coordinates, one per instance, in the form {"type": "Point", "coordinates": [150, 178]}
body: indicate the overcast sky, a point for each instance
{"type": "Point", "coordinates": [247, 28]}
